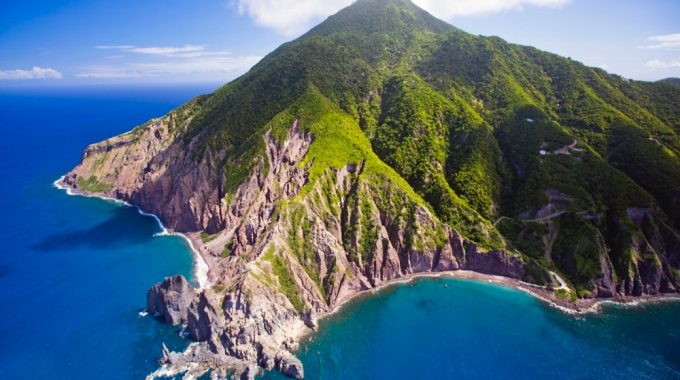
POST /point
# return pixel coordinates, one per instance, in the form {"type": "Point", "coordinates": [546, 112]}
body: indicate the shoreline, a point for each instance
{"type": "Point", "coordinates": [541, 293]}
{"type": "Point", "coordinates": [201, 267]}
{"type": "Point", "coordinates": [578, 308]}
{"type": "Point", "coordinates": [545, 295]}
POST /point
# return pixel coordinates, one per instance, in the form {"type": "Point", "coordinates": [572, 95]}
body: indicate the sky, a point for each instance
{"type": "Point", "coordinates": [72, 42]}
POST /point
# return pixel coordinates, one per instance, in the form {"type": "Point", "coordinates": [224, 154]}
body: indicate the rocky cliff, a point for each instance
{"type": "Point", "coordinates": [383, 144]}
{"type": "Point", "coordinates": [281, 257]}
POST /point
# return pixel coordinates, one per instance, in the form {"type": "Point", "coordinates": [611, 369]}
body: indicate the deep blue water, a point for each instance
{"type": "Point", "coordinates": [74, 273]}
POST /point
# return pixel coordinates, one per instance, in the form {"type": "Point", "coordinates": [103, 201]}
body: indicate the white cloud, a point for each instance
{"type": "Point", "coordinates": [116, 47]}
{"type": "Point", "coordinates": [290, 17]}
{"type": "Point", "coordinates": [448, 9]}
{"type": "Point", "coordinates": [168, 51]}
{"type": "Point", "coordinates": [659, 64]}
{"type": "Point", "coordinates": [184, 62]}
{"type": "Point", "coordinates": [35, 73]}
{"type": "Point", "coordinates": [665, 42]}
{"type": "Point", "coordinates": [109, 72]}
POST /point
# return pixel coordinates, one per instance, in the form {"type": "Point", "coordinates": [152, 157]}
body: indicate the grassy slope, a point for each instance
{"type": "Point", "coordinates": [383, 82]}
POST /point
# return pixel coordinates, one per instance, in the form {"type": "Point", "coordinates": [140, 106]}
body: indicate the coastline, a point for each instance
{"type": "Point", "coordinates": [543, 294]}
{"type": "Point", "coordinates": [201, 267]}
{"type": "Point", "coordinates": [577, 308]}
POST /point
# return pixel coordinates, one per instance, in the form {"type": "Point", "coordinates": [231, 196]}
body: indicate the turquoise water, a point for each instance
{"type": "Point", "coordinates": [74, 273]}
{"type": "Point", "coordinates": [462, 329]}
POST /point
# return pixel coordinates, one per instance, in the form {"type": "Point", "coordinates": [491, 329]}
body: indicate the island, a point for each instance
{"type": "Point", "coordinates": [386, 144]}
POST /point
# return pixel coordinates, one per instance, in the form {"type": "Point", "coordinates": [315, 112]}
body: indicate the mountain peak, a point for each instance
{"type": "Point", "coordinates": [381, 16]}
{"type": "Point", "coordinates": [386, 143]}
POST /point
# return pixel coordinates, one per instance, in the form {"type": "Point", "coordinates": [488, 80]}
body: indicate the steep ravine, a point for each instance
{"type": "Point", "coordinates": [289, 256]}
{"type": "Point", "coordinates": [284, 251]}
{"type": "Point", "coordinates": [379, 146]}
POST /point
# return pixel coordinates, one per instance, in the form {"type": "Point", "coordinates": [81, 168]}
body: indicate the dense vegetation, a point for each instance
{"type": "Point", "coordinates": [476, 129]}
{"type": "Point", "coordinates": [92, 185]}
{"type": "Point", "coordinates": [671, 81]}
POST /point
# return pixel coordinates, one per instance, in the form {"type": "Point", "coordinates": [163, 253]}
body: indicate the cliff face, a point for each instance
{"type": "Point", "coordinates": [351, 232]}
{"type": "Point", "coordinates": [382, 144]}
{"type": "Point", "coordinates": [151, 167]}
{"type": "Point", "coordinates": [283, 256]}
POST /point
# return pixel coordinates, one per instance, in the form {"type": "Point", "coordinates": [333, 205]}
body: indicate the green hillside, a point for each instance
{"type": "Point", "coordinates": [513, 147]}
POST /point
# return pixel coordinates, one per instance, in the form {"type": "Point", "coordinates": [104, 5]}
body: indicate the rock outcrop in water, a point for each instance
{"type": "Point", "coordinates": [170, 300]}
{"type": "Point", "coordinates": [266, 293]}
{"type": "Point", "coordinates": [380, 145]}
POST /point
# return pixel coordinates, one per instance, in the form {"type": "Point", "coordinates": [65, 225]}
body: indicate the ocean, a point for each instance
{"type": "Point", "coordinates": [73, 270]}
{"type": "Point", "coordinates": [74, 273]}
{"type": "Point", "coordinates": [464, 329]}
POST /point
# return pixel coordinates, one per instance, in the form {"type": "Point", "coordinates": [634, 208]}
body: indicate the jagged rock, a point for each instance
{"type": "Point", "coordinates": [445, 260]}
{"type": "Point", "coordinates": [201, 319]}
{"type": "Point", "coordinates": [276, 250]}
{"type": "Point", "coordinates": [420, 262]}
{"type": "Point", "coordinates": [267, 358]}
{"type": "Point", "coordinates": [498, 263]}
{"type": "Point", "coordinates": [650, 275]}
{"type": "Point", "coordinates": [289, 365]}
{"type": "Point", "coordinates": [603, 288]}
{"type": "Point", "coordinates": [254, 325]}
{"type": "Point", "coordinates": [248, 373]}
{"type": "Point", "coordinates": [310, 320]}
{"type": "Point", "coordinates": [170, 300]}
{"type": "Point", "coordinates": [165, 359]}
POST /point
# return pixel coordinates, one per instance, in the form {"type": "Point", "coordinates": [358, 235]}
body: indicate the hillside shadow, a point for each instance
{"type": "Point", "coordinates": [124, 226]}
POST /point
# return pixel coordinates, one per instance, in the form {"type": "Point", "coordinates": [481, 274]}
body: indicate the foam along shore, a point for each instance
{"type": "Point", "coordinates": [543, 294]}
{"type": "Point", "coordinates": [192, 370]}
{"type": "Point", "coordinates": [200, 265]}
